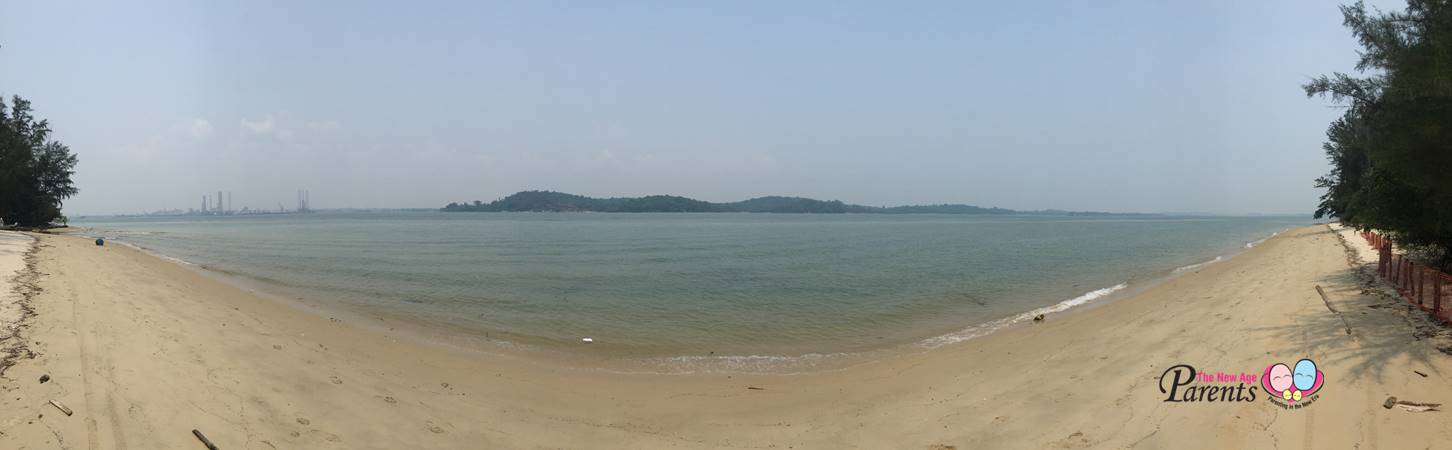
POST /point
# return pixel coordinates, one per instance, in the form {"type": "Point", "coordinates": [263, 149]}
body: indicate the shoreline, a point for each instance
{"type": "Point", "coordinates": [144, 351]}
{"type": "Point", "coordinates": [435, 332]}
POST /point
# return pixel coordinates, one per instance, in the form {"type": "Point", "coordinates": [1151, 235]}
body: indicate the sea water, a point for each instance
{"type": "Point", "coordinates": [734, 291]}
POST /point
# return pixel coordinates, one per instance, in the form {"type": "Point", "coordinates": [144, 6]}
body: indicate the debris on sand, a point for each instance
{"type": "Point", "coordinates": [61, 407]}
{"type": "Point", "coordinates": [203, 438]}
{"type": "Point", "coordinates": [1410, 406]}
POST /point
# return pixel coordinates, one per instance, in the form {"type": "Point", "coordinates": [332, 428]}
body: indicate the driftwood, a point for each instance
{"type": "Point", "coordinates": [1410, 406]}
{"type": "Point", "coordinates": [1333, 309]}
{"type": "Point", "coordinates": [1419, 407]}
{"type": "Point", "coordinates": [205, 441]}
{"type": "Point", "coordinates": [61, 407]}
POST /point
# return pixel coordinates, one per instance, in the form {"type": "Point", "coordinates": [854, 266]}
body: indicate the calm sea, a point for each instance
{"type": "Point", "coordinates": [698, 291]}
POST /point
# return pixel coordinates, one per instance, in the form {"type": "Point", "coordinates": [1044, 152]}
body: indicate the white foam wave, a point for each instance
{"type": "Point", "coordinates": [984, 329]}
{"type": "Point", "coordinates": [1254, 243]}
{"type": "Point", "coordinates": [775, 364]}
{"type": "Point", "coordinates": [176, 260]}
{"type": "Point", "coordinates": [152, 253]}
{"type": "Point", "coordinates": [1196, 265]}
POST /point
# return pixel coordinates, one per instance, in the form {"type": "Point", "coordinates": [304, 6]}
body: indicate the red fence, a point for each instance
{"type": "Point", "coordinates": [1421, 285]}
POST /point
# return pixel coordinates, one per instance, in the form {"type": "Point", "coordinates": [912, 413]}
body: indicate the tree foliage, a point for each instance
{"type": "Point", "coordinates": [35, 171]}
{"type": "Point", "coordinates": [1391, 151]}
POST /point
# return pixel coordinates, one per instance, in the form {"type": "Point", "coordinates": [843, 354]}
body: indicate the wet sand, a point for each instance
{"type": "Point", "coordinates": [144, 350]}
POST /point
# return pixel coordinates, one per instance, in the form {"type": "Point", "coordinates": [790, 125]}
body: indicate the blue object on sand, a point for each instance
{"type": "Point", "coordinates": [100, 241]}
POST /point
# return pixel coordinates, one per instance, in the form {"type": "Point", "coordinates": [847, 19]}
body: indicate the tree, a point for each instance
{"type": "Point", "coordinates": [1391, 151]}
{"type": "Point", "coordinates": [35, 171]}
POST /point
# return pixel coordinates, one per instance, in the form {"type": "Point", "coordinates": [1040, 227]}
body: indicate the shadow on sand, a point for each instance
{"type": "Point", "coordinates": [1385, 328]}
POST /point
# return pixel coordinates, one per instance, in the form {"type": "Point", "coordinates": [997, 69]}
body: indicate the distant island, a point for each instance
{"type": "Point", "coordinates": [550, 201]}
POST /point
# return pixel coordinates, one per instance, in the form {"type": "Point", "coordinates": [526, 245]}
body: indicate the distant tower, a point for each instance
{"type": "Point", "coordinates": [204, 203]}
{"type": "Point", "coordinates": [303, 202]}
{"type": "Point", "coordinates": [229, 203]}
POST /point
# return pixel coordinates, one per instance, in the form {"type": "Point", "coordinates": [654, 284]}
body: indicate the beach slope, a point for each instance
{"type": "Point", "coordinates": [144, 350]}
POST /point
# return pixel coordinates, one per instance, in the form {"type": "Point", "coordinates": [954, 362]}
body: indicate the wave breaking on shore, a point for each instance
{"type": "Point", "coordinates": [990, 327]}
{"type": "Point", "coordinates": [1183, 269]}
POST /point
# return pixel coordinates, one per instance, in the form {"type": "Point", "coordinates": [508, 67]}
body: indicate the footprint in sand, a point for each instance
{"type": "Point", "coordinates": [335, 379]}
{"type": "Point", "coordinates": [436, 429]}
{"type": "Point", "coordinates": [303, 421]}
{"type": "Point", "coordinates": [390, 400]}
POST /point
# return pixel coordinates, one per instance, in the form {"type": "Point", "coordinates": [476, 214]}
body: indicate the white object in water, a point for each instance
{"type": "Point", "coordinates": [588, 340]}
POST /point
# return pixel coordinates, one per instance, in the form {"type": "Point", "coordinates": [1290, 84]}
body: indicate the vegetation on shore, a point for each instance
{"type": "Point", "coordinates": [35, 171]}
{"type": "Point", "coordinates": [550, 201]}
{"type": "Point", "coordinates": [1391, 151]}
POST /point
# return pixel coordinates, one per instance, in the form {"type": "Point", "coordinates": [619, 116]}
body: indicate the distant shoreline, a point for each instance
{"type": "Point", "coordinates": [551, 201]}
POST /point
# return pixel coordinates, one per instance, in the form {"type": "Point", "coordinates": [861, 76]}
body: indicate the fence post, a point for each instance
{"type": "Point", "coordinates": [1416, 276]}
{"type": "Point", "coordinates": [1383, 260]}
{"type": "Point", "coordinates": [1411, 278]}
{"type": "Point", "coordinates": [1406, 276]}
{"type": "Point", "coordinates": [1407, 280]}
{"type": "Point", "coordinates": [1422, 284]}
{"type": "Point", "coordinates": [1437, 294]}
{"type": "Point", "coordinates": [1421, 276]}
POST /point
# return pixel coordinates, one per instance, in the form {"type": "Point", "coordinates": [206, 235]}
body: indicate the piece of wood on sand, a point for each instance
{"type": "Point", "coordinates": [203, 438]}
{"type": "Point", "coordinates": [1327, 301]}
{"type": "Point", "coordinates": [61, 407]}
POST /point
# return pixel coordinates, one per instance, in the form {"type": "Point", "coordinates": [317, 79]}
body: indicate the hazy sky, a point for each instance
{"type": "Point", "coordinates": [1118, 106]}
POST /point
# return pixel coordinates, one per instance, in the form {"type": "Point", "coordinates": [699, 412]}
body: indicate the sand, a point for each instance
{"type": "Point", "coordinates": [13, 311]}
{"type": "Point", "coordinates": [145, 350]}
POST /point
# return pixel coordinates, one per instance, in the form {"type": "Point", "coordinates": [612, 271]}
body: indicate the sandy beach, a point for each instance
{"type": "Point", "coordinates": [144, 350]}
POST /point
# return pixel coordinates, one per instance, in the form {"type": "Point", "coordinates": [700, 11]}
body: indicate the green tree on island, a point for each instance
{"type": "Point", "coordinates": [35, 171]}
{"type": "Point", "coordinates": [1391, 151]}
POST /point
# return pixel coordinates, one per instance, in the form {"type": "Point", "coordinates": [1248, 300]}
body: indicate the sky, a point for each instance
{"type": "Point", "coordinates": [1105, 106]}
